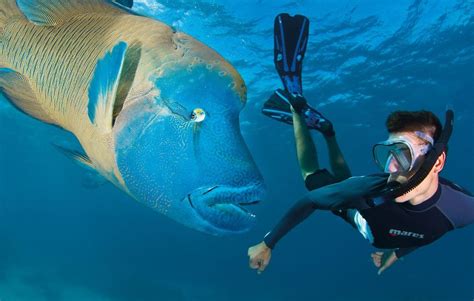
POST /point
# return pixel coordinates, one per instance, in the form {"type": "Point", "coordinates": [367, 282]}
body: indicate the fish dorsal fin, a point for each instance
{"type": "Point", "coordinates": [111, 82]}
{"type": "Point", "coordinates": [53, 12]}
{"type": "Point", "coordinates": [18, 91]}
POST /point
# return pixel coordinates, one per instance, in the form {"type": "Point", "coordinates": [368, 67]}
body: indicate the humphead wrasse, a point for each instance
{"type": "Point", "coordinates": [155, 111]}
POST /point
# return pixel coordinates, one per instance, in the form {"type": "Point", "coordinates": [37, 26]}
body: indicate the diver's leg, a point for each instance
{"type": "Point", "coordinates": [308, 157]}
{"type": "Point", "coordinates": [338, 164]}
{"type": "Point", "coordinates": [305, 147]}
{"type": "Point", "coordinates": [313, 175]}
{"type": "Point", "coordinates": [306, 150]}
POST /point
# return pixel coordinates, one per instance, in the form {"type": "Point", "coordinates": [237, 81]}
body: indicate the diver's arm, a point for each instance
{"type": "Point", "coordinates": [298, 213]}
{"type": "Point", "coordinates": [349, 193]}
{"type": "Point", "coordinates": [305, 148]}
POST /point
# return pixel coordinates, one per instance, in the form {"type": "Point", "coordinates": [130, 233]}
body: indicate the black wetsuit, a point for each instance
{"type": "Point", "coordinates": [400, 226]}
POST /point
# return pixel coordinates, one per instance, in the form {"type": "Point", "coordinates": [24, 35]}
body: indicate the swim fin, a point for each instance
{"type": "Point", "coordinates": [278, 107]}
{"type": "Point", "coordinates": [291, 38]}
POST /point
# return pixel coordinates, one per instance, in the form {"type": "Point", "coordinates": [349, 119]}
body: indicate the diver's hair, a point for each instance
{"type": "Point", "coordinates": [410, 121]}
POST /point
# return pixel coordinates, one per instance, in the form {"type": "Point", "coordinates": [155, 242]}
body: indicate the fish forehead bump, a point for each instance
{"type": "Point", "coordinates": [195, 54]}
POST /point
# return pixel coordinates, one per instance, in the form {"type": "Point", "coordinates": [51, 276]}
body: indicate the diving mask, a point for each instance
{"type": "Point", "coordinates": [400, 153]}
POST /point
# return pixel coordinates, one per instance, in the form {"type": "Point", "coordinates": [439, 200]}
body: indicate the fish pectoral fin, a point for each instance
{"type": "Point", "coordinates": [126, 3]}
{"type": "Point", "coordinates": [17, 90]}
{"type": "Point", "coordinates": [54, 12]}
{"type": "Point", "coordinates": [111, 82]}
{"type": "Point", "coordinates": [78, 157]}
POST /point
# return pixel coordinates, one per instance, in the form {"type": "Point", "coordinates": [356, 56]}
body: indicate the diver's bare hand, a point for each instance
{"type": "Point", "coordinates": [259, 257]}
{"type": "Point", "coordinates": [383, 260]}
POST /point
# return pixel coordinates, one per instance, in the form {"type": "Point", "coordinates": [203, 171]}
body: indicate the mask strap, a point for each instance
{"type": "Point", "coordinates": [425, 137]}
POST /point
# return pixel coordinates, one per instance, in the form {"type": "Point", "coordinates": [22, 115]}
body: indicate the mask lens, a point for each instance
{"type": "Point", "coordinates": [392, 165]}
{"type": "Point", "coordinates": [392, 158]}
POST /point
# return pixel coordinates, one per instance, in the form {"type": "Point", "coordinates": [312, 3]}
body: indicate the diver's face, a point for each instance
{"type": "Point", "coordinates": [392, 165]}
{"type": "Point", "coordinates": [420, 191]}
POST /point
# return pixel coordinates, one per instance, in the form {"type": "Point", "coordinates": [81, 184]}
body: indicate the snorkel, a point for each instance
{"type": "Point", "coordinates": [395, 189]}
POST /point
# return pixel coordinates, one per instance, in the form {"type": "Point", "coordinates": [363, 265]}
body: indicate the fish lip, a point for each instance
{"type": "Point", "coordinates": [210, 201]}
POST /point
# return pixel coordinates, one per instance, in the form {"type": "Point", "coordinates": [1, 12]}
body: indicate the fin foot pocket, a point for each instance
{"type": "Point", "coordinates": [278, 107]}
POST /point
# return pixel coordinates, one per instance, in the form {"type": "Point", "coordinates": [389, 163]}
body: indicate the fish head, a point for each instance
{"type": "Point", "coordinates": [180, 151]}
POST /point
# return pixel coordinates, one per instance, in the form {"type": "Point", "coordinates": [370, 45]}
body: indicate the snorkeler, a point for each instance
{"type": "Point", "coordinates": [407, 207]}
{"type": "Point", "coordinates": [401, 223]}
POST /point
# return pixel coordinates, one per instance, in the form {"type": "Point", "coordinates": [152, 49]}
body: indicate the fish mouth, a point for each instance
{"type": "Point", "coordinates": [226, 209]}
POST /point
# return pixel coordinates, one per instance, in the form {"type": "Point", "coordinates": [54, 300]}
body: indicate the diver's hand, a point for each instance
{"type": "Point", "coordinates": [383, 260]}
{"type": "Point", "coordinates": [259, 256]}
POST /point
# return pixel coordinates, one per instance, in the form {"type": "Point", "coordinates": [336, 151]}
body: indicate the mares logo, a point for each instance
{"type": "Point", "coordinates": [395, 232]}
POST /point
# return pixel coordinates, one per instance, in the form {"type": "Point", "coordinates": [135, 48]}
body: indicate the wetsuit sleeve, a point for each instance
{"type": "Point", "coordinates": [457, 204]}
{"type": "Point", "coordinates": [318, 179]}
{"type": "Point", "coordinates": [343, 195]}
{"type": "Point", "coordinates": [404, 251]}
{"type": "Point", "coordinates": [298, 213]}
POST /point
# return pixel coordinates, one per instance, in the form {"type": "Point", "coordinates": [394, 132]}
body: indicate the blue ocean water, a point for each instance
{"type": "Point", "coordinates": [67, 236]}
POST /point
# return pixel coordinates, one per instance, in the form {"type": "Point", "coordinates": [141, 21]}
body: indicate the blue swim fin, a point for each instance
{"type": "Point", "coordinates": [291, 38]}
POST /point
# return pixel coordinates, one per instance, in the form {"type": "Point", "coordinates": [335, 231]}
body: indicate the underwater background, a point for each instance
{"type": "Point", "coordinates": [67, 235]}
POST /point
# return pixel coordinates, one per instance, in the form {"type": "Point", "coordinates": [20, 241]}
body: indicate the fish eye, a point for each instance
{"type": "Point", "coordinates": [198, 115]}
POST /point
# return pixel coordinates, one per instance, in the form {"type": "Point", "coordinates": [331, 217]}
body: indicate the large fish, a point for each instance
{"type": "Point", "coordinates": [156, 111]}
